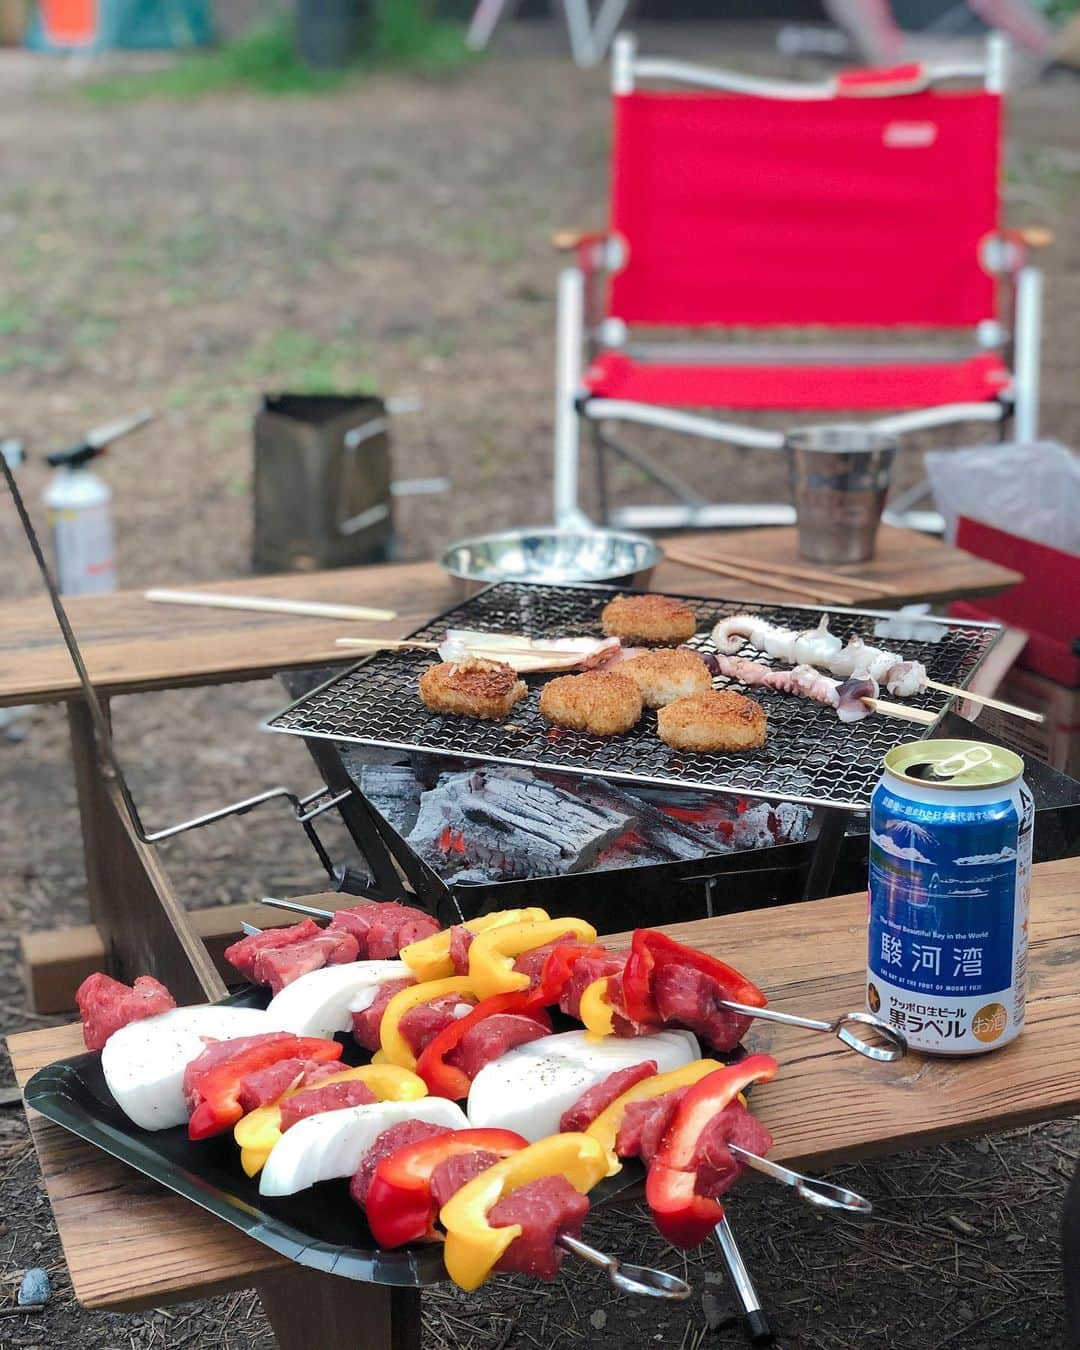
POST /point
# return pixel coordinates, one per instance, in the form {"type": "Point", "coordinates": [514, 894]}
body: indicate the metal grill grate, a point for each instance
{"type": "Point", "coordinates": [809, 757]}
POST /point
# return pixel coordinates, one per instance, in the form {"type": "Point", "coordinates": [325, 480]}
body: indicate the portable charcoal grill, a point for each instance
{"type": "Point", "coordinates": [810, 757]}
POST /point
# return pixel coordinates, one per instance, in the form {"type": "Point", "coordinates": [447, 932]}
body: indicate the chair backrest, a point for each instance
{"type": "Point", "coordinates": [840, 210]}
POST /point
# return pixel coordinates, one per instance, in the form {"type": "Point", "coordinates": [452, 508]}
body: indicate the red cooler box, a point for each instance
{"type": "Point", "coordinates": [1046, 678]}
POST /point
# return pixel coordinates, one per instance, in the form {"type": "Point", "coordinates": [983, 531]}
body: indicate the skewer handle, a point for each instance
{"type": "Point", "coordinates": [985, 700]}
{"type": "Point", "coordinates": [895, 1046]}
{"type": "Point", "coordinates": [820, 1194]}
{"type": "Point", "coordinates": [643, 1281]}
{"type": "Point", "coordinates": [755, 1323]}
{"type": "Point", "coordinates": [268, 605]}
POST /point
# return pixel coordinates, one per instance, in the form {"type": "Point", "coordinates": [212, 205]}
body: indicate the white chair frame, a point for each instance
{"type": "Point", "coordinates": [590, 37]}
{"type": "Point", "coordinates": [576, 343]}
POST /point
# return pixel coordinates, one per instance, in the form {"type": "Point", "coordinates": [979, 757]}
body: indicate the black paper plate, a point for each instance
{"type": "Point", "coordinates": [319, 1227]}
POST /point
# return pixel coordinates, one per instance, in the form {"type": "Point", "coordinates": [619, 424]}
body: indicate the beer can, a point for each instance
{"type": "Point", "coordinates": [950, 867]}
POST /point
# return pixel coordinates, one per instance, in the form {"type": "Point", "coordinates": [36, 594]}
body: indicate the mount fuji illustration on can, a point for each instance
{"type": "Point", "coordinates": [950, 864]}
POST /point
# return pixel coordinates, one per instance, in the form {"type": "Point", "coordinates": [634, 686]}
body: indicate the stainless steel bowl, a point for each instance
{"type": "Point", "coordinates": [552, 556]}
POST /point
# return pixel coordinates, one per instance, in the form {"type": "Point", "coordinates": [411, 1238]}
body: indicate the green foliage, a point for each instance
{"type": "Point", "coordinates": [402, 35]}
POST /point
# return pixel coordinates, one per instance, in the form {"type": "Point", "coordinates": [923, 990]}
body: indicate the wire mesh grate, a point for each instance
{"type": "Point", "coordinates": [810, 756]}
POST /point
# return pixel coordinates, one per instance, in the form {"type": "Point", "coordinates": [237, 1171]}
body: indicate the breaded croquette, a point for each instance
{"type": "Point", "coordinates": [667, 674]}
{"type": "Point", "coordinates": [472, 688]}
{"type": "Point", "coordinates": [718, 720]}
{"type": "Point", "coordinates": [659, 620]}
{"type": "Point", "coordinates": [599, 701]}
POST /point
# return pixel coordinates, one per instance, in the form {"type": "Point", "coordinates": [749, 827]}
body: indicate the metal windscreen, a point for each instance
{"type": "Point", "coordinates": [810, 756]}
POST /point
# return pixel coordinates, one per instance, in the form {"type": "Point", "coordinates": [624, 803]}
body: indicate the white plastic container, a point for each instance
{"type": "Point", "coordinates": [79, 509]}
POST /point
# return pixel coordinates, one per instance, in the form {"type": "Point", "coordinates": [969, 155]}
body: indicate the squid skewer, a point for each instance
{"type": "Point", "coordinates": [818, 647]}
{"type": "Point", "coordinates": [853, 698]}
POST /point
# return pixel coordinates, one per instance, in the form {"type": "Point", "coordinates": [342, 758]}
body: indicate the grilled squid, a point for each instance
{"type": "Point", "coordinates": [805, 682]}
{"type": "Point", "coordinates": [818, 647]}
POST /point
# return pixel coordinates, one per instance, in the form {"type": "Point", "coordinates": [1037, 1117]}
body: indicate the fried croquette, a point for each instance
{"type": "Point", "coordinates": [720, 719]}
{"type": "Point", "coordinates": [667, 674]}
{"type": "Point", "coordinates": [658, 620]}
{"type": "Point", "coordinates": [472, 688]}
{"type": "Point", "coordinates": [600, 702]}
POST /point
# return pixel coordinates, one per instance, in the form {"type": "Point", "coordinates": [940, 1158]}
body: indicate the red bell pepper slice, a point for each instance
{"type": "Point", "coordinates": [217, 1091]}
{"type": "Point", "coordinates": [651, 949]}
{"type": "Point", "coordinates": [682, 1216]}
{"type": "Point", "coordinates": [400, 1207]}
{"type": "Point", "coordinates": [558, 968]}
{"type": "Point", "coordinates": [445, 1080]}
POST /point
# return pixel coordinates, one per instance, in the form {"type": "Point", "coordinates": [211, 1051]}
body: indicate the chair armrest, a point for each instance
{"type": "Point", "coordinates": [569, 241]}
{"type": "Point", "coordinates": [1035, 236]}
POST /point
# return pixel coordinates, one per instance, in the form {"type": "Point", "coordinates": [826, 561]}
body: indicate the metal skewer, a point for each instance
{"type": "Point", "coordinates": [755, 1323]}
{"type": "Point", "coordinates": [896, 1047]}
{"type": "Point", "coordinates": [821, 1194]}
{"type": "Point", "coordinates": [630, 1279]}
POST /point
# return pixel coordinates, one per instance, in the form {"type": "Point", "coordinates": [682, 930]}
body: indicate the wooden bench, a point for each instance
{"type": "Point", "coordinates": [130, 1244]}
{"type": "Point", "coordinates": [133, 646]}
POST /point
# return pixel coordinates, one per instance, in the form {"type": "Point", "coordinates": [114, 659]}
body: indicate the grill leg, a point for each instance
{"type": "Point", "coordinates": [357, 820]}
{"type": "Point", "coordinates": [826, 852]}
{"type": "Point", "coordinates": [310, 1310]}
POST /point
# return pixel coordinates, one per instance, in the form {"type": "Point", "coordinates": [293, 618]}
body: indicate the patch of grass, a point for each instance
{"type": "Point", "coordinates": [305, 364]}
{"type": "Point", "coordinates": [264, 60]}
{"type": "Point", "coordinates": [14, 318]}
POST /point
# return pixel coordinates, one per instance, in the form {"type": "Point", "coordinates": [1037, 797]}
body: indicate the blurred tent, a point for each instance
{"type": "Point", "coordinates": [104, 25]}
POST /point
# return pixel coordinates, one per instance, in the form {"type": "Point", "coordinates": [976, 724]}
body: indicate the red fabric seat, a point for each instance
{"type": "Point", "coordinates": [824, 387]}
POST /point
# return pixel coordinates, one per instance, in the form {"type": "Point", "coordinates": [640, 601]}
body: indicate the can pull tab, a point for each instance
{"type": "Point", "coordinates": [954, 765]}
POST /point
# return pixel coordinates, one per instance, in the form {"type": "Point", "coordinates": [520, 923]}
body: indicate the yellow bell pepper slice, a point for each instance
{"type": "Point", "coordinates": [605, 1128]}
{"type": "Point", "coordinates": [259, 1130]}
{"type": "Point", "coordinates": [492, 954]}
{"type": "Point", "coordinates": [473, 1246]}
{"type": "Point", "coordinates": [595, 1011]}
{"type": "Point", "coordinates": [429, 959]}
{"type": "Point", "coordinates": [394, 1048]}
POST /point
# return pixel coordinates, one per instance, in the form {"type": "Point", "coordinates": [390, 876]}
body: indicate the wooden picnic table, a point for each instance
{"type": "Point", "coordinates": [133, 645]}
{"type": "Point", "coordinates": [129, 1244]}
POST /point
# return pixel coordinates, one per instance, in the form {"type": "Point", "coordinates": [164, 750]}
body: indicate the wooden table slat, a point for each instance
{"type": "Point", "coordinates": [132, 645]}
{"type": "Point", "coordinates": [825, 1105]}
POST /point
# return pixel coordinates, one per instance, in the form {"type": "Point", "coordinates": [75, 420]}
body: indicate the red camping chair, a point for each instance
{"type": "Point", "coordinates": [868, 203]}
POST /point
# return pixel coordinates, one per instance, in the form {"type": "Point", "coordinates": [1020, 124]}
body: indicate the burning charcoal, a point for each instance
{"type": "Point", "coordinates": [512, 825]}
{"type": "Point", "coordinates": [667, 837]}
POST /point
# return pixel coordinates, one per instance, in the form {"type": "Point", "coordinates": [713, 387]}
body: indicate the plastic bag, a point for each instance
{"type": "Point", "coordinates": [1029, 490]}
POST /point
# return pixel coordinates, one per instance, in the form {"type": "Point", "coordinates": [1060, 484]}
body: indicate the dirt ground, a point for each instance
{"type": "Point", "coordinates": [191, 256]}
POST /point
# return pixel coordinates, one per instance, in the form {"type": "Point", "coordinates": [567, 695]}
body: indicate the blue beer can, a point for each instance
{"type": "Point", "coordinates": [951, 827]}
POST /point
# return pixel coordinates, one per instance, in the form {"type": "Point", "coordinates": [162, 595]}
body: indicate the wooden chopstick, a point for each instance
{"type": "Point", "coordinates": [807, 573]}
{"type": "Point", "coordinates": [986, 700]}
{"type": "Point", "coordinates": [268, 605]}
{"type": "Point", "coordinates": [813, 592]}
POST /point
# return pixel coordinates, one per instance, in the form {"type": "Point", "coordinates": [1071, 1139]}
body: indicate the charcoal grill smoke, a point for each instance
{"type": "Point", "coordinates": [485, 824]}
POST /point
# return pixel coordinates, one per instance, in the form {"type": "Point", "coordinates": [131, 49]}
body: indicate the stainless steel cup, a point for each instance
{"type": "Point", "coordinates": [839, 481]}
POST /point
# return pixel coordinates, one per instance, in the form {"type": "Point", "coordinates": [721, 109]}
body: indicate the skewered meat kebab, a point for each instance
{"type": "Point", "coordinates": [711, 998]}
{"type": "Point", "coordinates": [818, 647]}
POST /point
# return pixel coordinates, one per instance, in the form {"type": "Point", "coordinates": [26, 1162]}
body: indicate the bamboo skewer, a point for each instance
{"type": "Point", "coordinates": [812, 574]}
{"type": "Point", "coordinates": [897, 710]}
{"type": "Point", "coordinates": [387, 644]}
{"type": "Point", "coordinates": [812, 592]}
{"type": "Point", "coordinates": [269, 605]}
{"type": "Point", "coordinates": [985, 700]}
